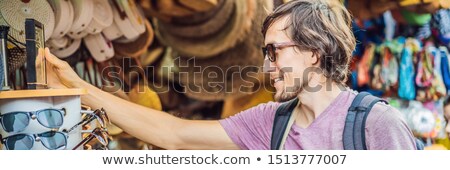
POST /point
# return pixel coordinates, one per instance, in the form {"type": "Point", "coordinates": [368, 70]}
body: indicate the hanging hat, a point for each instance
{"type": "Point", "coordinates": [207, 28]}
{"type": "Point", "coordinates": [199, 6]}
{"type": "Point", "coordinates": [70, 46]}
{"type": "Point", "coordinates": [100, 48]}
{"type": "Point", "coordinates": [58, 42]}
{"type": "Point", "coordinates": [84, 11]}
{"type": "Point", "coordinates": [168, 9]}
{"type": "Point", "coordinates": [102, 18]}
{"type": "Point", "coordinates": [64, 16]}
{"type": "Point", "coordinates": [128, 19]}
{"type": "Point", "coordinates": [137, 47]}
{"type": "Point", "coordinates": [13, 13]}
{"type": "Point", "coordinates": [78, 35]}
{"type": "Point", "coordinates": [232, 73]}
{"type": "Point", "coordinates": [235, 31]}
{"type": "Point", "coordinates": [151, 55]}
{"type": "Point", "coordinates": [196, 18]}
{"type": "Point", "coordinates": [112, 32]}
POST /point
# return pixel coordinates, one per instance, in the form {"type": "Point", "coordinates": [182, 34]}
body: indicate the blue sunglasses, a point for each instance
{"type": "Point", "coordinates": [14, 122]}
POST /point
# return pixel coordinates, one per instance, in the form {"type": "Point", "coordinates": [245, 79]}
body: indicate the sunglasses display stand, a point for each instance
{"type": "Point", "coordinates": [33, 100]}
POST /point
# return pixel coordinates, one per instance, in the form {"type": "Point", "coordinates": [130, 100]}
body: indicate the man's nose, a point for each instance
{"type": "Point", "coordinates": [268, 66]}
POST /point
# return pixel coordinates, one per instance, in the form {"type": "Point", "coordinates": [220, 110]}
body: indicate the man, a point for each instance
{"type": "Point", "coordinates": [309, 46]}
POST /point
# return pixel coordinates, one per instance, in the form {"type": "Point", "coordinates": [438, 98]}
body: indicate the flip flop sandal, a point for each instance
{"type": "Point", "coordinates": [445, 65]}
{"type": "Point", "coordinates": [438, 83]}
{"type": "Point", "coordinates": [364, 65]}
{"type": "Point", "coordinates": [376, 79]}
{"type": "Point", "coordinates": [407, 88]}
{"type": "Point", "coordinates": [424, 72]}
{"type": "Point", "coordinates": [389, 69]}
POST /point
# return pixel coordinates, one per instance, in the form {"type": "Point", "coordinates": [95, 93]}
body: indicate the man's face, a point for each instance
{"type": "Point", "coordinates": [447, 118]}
{"type": "Point", "coordinates": [290, 64]}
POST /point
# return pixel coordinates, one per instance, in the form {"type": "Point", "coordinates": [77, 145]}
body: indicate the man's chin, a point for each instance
{"type": "Point", "coordinates": [283, 97]}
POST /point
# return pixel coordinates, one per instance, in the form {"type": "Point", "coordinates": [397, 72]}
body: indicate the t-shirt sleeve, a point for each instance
{"type": "Point", "coordinates": [251, 128]}
{"type": "Point", "coordinates": [387, 130]}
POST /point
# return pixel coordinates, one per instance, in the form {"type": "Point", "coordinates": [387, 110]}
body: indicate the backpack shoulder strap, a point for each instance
{"type": "Point", "coordinates": [281, 125]}
{"type": "Point", "coordinates": [354, 130]}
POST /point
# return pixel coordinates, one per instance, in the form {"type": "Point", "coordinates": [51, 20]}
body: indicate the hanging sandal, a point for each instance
{"type": "Point", "coordinates": [407, 88]}
{"type": "Point", "coordinates": [364, 65]}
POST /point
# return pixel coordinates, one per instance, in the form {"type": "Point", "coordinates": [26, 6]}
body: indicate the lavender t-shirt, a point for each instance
{"type": "Point", "coordinates": [385, 127]}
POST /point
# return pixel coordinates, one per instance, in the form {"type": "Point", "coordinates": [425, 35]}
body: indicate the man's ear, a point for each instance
{"type": "Point", "coordinates": [315, 58]}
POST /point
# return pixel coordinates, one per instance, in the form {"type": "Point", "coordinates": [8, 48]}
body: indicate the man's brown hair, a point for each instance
{"type": "Point", "coordinates": [320, 26]}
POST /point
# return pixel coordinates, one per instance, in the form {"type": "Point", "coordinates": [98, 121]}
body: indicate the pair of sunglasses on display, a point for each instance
{"type": "Point", "coordinates": [52, 140]}
{"type": "Point", "coordinates": [14, 122]}
{"type": "Point", "coordinates": [55, 140]}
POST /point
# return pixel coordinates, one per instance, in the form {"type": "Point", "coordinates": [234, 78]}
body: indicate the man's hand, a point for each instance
{"type": "Point", "coordinates": [59, 73]}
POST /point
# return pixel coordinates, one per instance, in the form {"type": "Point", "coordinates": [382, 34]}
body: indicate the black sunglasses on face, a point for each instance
{"type": "Point", "coordinates": [270, 49]}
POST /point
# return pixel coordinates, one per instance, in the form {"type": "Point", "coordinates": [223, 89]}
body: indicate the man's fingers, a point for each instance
{"type": "Point", "coordinates": [53, 59]}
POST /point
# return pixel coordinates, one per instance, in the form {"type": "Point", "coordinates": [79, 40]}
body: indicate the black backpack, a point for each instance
{"type": "Point", "coordinates": [354, 130]}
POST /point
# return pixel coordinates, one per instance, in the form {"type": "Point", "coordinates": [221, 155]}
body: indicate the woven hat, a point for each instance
{"type": "Point", "coordinates": [78, 35]}
{"type": "Point", "coordinates": [112, 32]}
{"type": "Point", "coordinates": [84, 11]}
{"type": "Point", "coordinates": [151, 55]}
{"type": "Point", "coordinates": [63, 47]}
{"type": "Point", "coordinates": [230, 73]}
{"type": "Point", "coordinates": [64, 16]}
{"type": "Point", "coordinates": [197, 18]}
{"type": "Point", "coordinates": [137, 47]}
{"type": "Point", "coordinates": [209, 27]}
{"type": "Point", "coordinates": [128, 19]}
{"type": "Point", "coordinates": [235, 31]}
{"type": "Point", "coordinates": [102, 17]}
{"type": "Point", "coordinates": [101, 49]}
{"type": "Point", "coordinates": [13, 13]}
{"type": "Point", "coordinates": [199, 6]}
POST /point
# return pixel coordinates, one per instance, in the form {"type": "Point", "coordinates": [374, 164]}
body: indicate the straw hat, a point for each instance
{"type": "Point", "coordinates": [101, 49]}
{"type": "Point", "coordinates": [13, 13]}
{"type": "Point", "coordinates": [102, 17]}
{"type": "Point", "coordinates": [139, 46]}
{"type": "Point", "coordinates": [207, 28]}
{"type": "Point", "coordinates": [63, 47]}
{"type": "Point", "coordinates": [236, 30]}
{"type": "Point", "coordinates": [84, 11]}
{"type": "Point", "coordinates": [64, 16]}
